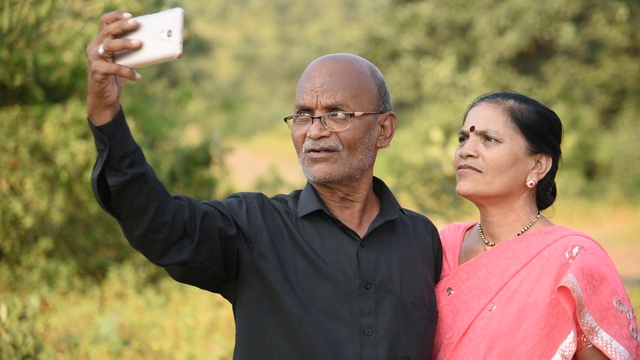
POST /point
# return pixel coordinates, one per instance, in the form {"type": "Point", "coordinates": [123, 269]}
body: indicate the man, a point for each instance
{"type": "Point", "coordinates": [337, 270]}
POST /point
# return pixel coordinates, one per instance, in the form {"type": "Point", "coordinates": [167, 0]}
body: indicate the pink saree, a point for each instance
{"type": "Point", "coordinates": [543, 295]}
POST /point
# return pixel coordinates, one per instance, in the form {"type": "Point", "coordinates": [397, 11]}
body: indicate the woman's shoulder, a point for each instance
{"type": "Point", "coordinates": [574, 242]}
{"type": "Point", "coordinates": [457, 228]}
{"type": "Point", "coordinates": [451, 235]}
{"type": "Point", "coordinates": [565, 234]}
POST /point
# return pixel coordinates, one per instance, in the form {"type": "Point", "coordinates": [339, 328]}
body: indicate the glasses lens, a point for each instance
{"type": "Point", "coordinates": [298, 122]}
{"type": "Point", "coordinates": [336, 121]}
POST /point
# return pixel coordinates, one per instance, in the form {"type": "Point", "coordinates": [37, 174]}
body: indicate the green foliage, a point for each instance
{"type": "Point", "coordinates": [634, 294]}
{"type": "Point", "coordinates": [17, 337]}
{"type": "Point", "coordinates": [259, 49]}
{"type": "Point", "coordinates": [581, 59]}
{"type": "Point", "coordinates": [129, 315]}
{"type": "Point", "coordinates": [46, 205]}
{"type": "Point", "coordinates": [47, 210]}
{"type": "Point", "coordinates": [42, 60]}
{"type": "Point", "coordinates": [272, 183]}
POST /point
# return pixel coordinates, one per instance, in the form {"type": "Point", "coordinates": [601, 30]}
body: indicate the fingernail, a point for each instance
{"type": "Point", "coordinates": [131, 21]}
{"type": "Point", "coordinates": [135, 42]}
{"type": "Point", "coordinates": [127, 15]}
{"type": "Point", "coordinates": [137, 75]}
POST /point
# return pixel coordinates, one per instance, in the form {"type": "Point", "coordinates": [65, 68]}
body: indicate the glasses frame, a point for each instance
{"type": "Point", "coordinates": [351, 114]}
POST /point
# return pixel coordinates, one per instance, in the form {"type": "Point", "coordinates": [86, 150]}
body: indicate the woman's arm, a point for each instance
{"type": "Point", "coordinates": [590, 353]}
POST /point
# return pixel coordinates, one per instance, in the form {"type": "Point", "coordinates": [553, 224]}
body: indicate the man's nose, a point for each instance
{"type": "Point", "coordinates": [317, 129]}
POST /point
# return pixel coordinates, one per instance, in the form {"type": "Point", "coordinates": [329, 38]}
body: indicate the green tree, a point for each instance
{"type": "Point", "coordinates": [581, 59]}
{"type": "Point", "coordinates": [47, 209]}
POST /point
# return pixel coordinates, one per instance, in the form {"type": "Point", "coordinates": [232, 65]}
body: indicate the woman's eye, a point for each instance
{"type": "Point", "coordinates": [462, 138]}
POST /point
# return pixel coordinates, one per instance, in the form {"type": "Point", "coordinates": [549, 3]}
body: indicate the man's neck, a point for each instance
{"type": "Point", "coordinates": [355, 206]}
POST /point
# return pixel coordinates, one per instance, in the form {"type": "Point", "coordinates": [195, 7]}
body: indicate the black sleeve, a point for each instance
{"type": "Point", "coordinates": [437, 251]}
{"type": "Point", "coordinates": [196, 242]}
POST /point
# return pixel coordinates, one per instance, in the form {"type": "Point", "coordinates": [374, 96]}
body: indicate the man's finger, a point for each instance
{"type": "Point", "coordinates": [114, 16]}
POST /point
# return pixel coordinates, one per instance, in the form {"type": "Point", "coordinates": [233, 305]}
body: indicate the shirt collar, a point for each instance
{"type": "Point", "coordinates": [389, 206]}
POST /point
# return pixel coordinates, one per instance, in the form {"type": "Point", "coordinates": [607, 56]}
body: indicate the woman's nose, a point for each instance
{"type": "Point", "coordinates": [467, 149]}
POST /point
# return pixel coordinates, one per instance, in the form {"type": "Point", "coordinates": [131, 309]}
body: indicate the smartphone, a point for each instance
{"type": "Point", "coordinates": [161, 37]}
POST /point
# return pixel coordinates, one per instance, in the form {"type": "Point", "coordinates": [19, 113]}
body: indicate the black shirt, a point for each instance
{"type": "Point", "coordinates": [301, 283]}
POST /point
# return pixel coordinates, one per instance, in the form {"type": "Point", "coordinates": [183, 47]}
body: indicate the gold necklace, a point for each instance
{"type": "Point", "coordinates": [488, 244]}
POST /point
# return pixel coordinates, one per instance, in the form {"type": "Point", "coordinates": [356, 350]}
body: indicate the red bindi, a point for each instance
{"type": "Point", "coordinates": [472, 128]}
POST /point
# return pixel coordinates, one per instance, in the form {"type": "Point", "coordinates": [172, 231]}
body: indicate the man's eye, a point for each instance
{"type": "Point", "coordinates": [337, 115]}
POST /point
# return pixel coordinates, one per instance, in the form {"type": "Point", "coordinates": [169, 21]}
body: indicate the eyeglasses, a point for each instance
{"type": "Point", "coordinates": [334, 121]}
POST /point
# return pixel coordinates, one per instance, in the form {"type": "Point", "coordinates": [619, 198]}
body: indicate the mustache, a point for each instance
{"type": "Point", "coordinates": [321, 145]}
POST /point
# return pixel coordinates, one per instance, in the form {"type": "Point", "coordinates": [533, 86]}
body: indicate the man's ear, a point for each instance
{"type": "Point", "coordinates": [387, 124]}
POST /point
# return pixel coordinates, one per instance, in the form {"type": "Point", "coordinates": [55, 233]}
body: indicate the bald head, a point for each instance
{"type": "Point", "coordinates": [347, 73]}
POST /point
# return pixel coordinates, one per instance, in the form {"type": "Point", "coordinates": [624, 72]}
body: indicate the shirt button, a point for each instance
{"type": "Point", "coordinates": [368, 332]}
{"type": "Point", "coordinates": [367, 285]}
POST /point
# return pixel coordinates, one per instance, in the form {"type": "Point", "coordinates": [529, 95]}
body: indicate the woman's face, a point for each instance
{"type": "Point", "coordinates": [492, 161]}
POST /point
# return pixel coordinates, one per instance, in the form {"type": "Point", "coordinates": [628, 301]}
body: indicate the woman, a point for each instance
{"type": "Point", "coordinates": [514, 285]}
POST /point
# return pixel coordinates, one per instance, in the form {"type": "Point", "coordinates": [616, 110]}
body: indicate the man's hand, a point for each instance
{"type": "Point", "coordinates": [106, 78]}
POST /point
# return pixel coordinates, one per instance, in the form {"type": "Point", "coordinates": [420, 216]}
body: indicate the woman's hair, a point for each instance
{"type": "Point", "coordinates": [541, 129]}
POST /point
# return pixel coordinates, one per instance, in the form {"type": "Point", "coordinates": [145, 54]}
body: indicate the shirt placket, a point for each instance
{"type": "Point", "coordinates": [367, 303]}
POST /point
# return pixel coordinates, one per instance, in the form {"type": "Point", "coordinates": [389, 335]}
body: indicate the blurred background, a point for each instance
{"type": "Point", "coordinates": [211, 124]}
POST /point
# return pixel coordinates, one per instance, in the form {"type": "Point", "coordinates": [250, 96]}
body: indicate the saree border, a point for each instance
{"type": "Point", "coordinates": [596, 335]}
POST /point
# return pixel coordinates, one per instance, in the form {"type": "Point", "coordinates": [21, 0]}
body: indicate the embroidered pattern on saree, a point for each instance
{"type": "Point", "coordinates": [567, 349]}
{"type": "Point", "coordinates": [591, 329]}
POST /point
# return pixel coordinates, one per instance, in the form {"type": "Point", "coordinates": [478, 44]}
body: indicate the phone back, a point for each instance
{"type": "Point", "coordinates": [161, 37]}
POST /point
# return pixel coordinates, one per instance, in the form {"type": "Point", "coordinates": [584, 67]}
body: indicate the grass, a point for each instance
{"type": "Point", "coordinates": [120, 318]}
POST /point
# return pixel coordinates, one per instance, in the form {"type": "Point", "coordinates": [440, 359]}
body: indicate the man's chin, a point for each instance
{"type": "Point", "coordinates": [320, 178]}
